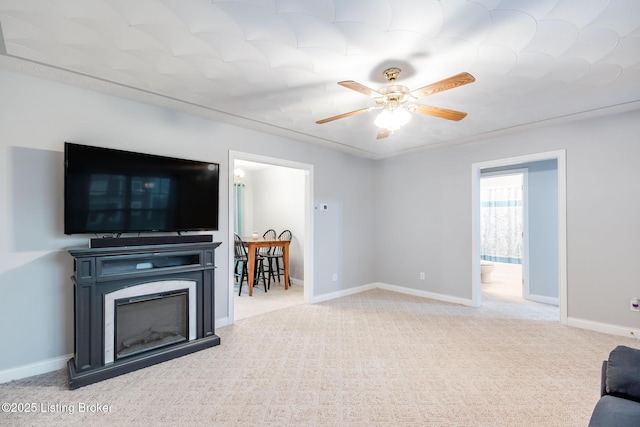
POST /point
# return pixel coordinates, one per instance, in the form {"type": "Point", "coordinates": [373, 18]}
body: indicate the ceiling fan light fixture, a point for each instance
{"type": "Point", "coordinates": [392, 119]}
{"type": "Point", "coordinates": [392, 97]}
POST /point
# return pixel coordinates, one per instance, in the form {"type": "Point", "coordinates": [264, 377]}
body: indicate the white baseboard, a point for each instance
{"type": "Point", "coordinates": [222, 322]}
{"type": "Point", "coordinates": [393, 288]}
{"type": "Point", "coordinates": [543, 299]}
{"type": "Point", "coordinates": [603, 327]}
{"type": "Point", "coordinates": [34, 369]}
{"type": "Point", "coordinates": [61, 362]}
{"type": "Point", "coordinates": [296, 282]}
{"type": "Point", "coordinates": [425, 294]}
{"type": "Point", "coordinates": [572, 322]}
{"type": "Point", "coordinates": [344, 293]}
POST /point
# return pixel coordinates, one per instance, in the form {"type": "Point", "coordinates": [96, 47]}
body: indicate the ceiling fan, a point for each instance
{"type": "Point", "coordinates": [393, 97]}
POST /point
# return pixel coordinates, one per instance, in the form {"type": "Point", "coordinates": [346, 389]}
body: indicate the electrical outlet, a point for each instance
{"type": "Point", "coordinates": [335, 277]}
{"type": "Point", "coordinates": [635, 304]}
{"type": "Point", "coordinates": [422, 275]}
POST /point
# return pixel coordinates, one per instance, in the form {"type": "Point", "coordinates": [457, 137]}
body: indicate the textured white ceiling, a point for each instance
{"type": "Point", "coordinates": [273, 65]}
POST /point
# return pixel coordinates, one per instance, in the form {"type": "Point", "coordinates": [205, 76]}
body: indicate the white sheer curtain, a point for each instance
{"type": "Point", "coordinates": [501, 224]}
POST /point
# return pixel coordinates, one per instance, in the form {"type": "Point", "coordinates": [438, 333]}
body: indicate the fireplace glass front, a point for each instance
{"type": "Point", "coordinates": [148, 322]}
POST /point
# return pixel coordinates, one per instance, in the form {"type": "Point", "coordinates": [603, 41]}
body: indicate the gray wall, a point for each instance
{"type": "Point", "coordinates": [38, 116]}
{"type": "Point", "coordinates": [426, 226]}
{"type": "Point", "coordinates": [424, 221]}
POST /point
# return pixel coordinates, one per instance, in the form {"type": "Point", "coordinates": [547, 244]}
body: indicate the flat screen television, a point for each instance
{"type": "Point", "coordinates": [115, 191]}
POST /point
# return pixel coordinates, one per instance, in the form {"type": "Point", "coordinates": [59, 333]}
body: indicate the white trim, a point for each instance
{"type": "Point", "coordinates": [562, 234]}
{"type": "Point", "coordinates": [544, 299]}
{"type": "Point", "coordinates": [296, 282]}
{"type": "Point", "coordinates": [526, 289]}
{"type": "Point", "coordinates": [605, 328]}
{"type": "Point", "coordinates": [222, 322]}
{"type": "Point", "coordinates": [392, 288]}
{"type": "Point", "coordinates": [560, 156]}
{"type": "Point", "coordinates": [425, 294]}
{"type": "Point", "coordinates": [572, 322]}
{"type": "Point", "coordinates": [343, 293]}
{"type": "Point", "coordinates": [475, 236]}
{"type": "Point", "coordinates": [60, 362]}
{"type": "Point", "coordinates": [308, 220]}
{"type": "Point", "coordinates": [141, 290]}
{"type": "Point", "coordinates": [37, 368]}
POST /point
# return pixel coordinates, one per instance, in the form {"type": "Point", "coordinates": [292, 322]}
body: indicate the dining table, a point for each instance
{"type": "Point", "coordinates": [253, 244]}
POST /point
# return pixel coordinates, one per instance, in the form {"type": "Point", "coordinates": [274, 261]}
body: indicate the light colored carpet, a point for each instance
{"type": "Point", "coordinates": [377, 358]}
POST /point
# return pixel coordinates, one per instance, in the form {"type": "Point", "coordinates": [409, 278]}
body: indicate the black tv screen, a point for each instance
{"type": "Point", "coordinates": [115, 191]}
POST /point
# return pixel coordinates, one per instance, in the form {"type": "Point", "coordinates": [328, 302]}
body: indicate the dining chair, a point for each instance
{"type": "Point", "coordinates": [275, 256]}
{"type": "Point", "coordinates": [241, 258]}
{"type": "Point", "coordinates": [270, 234]}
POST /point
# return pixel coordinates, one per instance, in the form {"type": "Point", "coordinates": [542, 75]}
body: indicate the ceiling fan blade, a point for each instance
{"type": "Point", "coordinates": [446, 84]}
{"type": "Point", "coordinates": [343, 115]}
{"type": "Point", "coordinates": [443, 113]}
{"type": "Point", "coordinates": [383, 133]}
{"type": "Point", "coordinates": [350, 84]}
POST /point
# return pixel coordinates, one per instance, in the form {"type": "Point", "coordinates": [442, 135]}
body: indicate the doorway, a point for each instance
{"type": "Point", "coordinates": [266, 215]}
{"type": "Point", "coordinates": [559, 253]}
{"type": "Point", "coordinates": [503, 233]}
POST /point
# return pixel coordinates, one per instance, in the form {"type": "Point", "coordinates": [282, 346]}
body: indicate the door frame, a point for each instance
{"type": "Point", "coordinates": [476, 168]}
{"type": "Point", "coordinates": [308, 219]}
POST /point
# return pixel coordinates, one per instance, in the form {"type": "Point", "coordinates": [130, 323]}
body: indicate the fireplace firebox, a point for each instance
{"type": "Point", "coordinates": [148, 322]}
{"type": "Point", "coordinates": [138, 306]}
